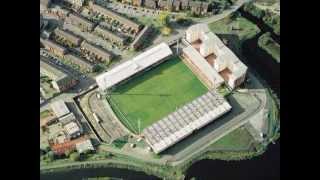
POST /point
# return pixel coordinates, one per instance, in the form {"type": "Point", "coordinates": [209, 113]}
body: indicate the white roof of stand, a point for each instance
{"type": "Point", "coordinates": [131, 67]}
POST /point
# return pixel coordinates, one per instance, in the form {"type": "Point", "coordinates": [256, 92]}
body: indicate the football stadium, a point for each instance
{"type": "Point", "coordinates": [157, 96]}
{"type": "Point", "coordinates": [154, 94]}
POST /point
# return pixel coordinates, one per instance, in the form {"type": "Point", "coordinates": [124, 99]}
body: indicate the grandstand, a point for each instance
{"type": "Point", "coordinates": [129, 68]}
{"type": "Point", "coordinates": [181, 123]}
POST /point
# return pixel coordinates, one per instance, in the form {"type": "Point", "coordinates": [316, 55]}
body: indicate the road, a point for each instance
{"type": "Point", "coordinates": [179, 33]}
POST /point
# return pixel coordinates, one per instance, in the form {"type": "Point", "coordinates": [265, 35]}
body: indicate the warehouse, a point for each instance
{"type": "Point", "coordinates": [129, 68]}
{"type": "Point", "coordinates": [68, 36]}
{"type": "Point", "coordinates": [207, 47]}
{"type": "Point", "coordinates": [98, 53]}
{"type": "Point", "coordinates": [108, 13]}
{"type": "Point", "coordinates": [53, 47]}
{"type": "Point", "coordinates": [60, 80]}
{"type": "Point", "coordinates": [185, 120]}
{"type": "Point", "coordinates": [80, 21]}
{"type": "Point", "coordinates": [81, 62]}
{"type": "Point", "coordinates": [111, 36]}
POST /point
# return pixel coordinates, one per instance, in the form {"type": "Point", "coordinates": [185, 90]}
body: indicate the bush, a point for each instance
{"type": "Point", "coordinates": [184, 21]}
{"type": "Point", "coordinates": [166, 31]}
{"type": "Point", "coordinates": [74, 156]}
{"type": "Point", "coordinates": [50, 156]}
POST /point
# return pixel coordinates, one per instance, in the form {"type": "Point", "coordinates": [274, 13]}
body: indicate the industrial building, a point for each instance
{"type": "Point", "coordinates": [80, 21]}
{"type": "Point", "coordinates": [129, 24]}
{"type": "Point", "coordinates": [185, 120]}
{"type": "Point", "coordinates": [68, 36]}
{"type": "Point", "coordinates": [83, 64]}
{"type": "Point", "coordinates": [53, 47]}
{"type": "Point", "coordinates": [60, 80]}
{"type": "Point", "coordinates": [109, 35]}
{"type": "Point", "coordinates": [205, 52]}
{"type": "Point", "coordinates": [143, 61]}
{"type": "Point", "coordinates": [97, 52]}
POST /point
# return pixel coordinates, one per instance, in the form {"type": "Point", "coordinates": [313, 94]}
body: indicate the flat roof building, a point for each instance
{"type": "Point", "coordinates": [202, 42]}
{"type": "Point", "coordinates": [75, 40]}
{"type": "Point", "coordinates": [59, 108]}
{"type": "Point", "coordinates": [200, 67]}
{"type": "Point", "coordinates": [72, 129]}
{"type": "Point", "coordinates": [185, 120]}
{"type": "Point", "coordinates": [84, 146]}
{"type": "Point", "coordinates": [129, 68]}
{"type": "Point", "coordinates": [98, 52]}
{"type": "Point", "coordinates": [67, 118]}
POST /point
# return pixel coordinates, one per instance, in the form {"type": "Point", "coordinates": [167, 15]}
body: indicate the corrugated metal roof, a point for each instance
{"type": "Point", "coordinates": [160, 138]}
{"type": "Point", "coordinates": [131, 67]}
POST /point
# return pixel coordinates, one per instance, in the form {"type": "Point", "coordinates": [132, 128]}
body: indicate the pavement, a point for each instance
{"type": "Point", "coordinates": [109, 123]}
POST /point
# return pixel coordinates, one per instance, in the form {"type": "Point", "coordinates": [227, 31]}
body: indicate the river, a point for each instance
{"type": "Point", "coordinates": [265, 166]}
{"type": "Point", "coordinates": [83, 174]}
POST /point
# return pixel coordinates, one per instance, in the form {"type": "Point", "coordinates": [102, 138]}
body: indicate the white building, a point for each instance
{"type": "Point", "coordinates": [72, 129]}
{"type": "Point", "coordinates": [75, 3]}
{"type": "Point", "coordinates": [215, 54]}
{"type": "Point", "coordinates": [84, 146]}
{"type": "Point", "coordinates": [59, 108]}
{"type": "Point", "coordinates": [129, 68]}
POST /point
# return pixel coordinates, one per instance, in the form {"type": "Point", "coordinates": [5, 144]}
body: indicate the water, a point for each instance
{"type": "Point", "coordinates": [265, 166]}
{"type": "Point", "coordinates": [82, 174]}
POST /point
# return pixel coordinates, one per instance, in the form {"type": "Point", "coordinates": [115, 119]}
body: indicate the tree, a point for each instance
{"type": "Point", "coordinates": [50, 156]}
{"type": "Point", "coordinates": [166, 31]}
{"type": "Point", "coordinates": [184, 21]}
{"type": "Point", "coordinates": [163, 19]}
{"type": "Point", "coordinates": [74, 156]}
{"type": "Point", "coordinates": [67, 153]}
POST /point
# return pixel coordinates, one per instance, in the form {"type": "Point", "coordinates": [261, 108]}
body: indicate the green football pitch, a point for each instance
{"type": "Point", "coordinates": [152, 95]}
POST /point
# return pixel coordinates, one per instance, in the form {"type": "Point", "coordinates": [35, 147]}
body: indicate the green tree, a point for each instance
{"type": "Point", "coordinates": [74, 156]}
{"type": "Point", "coordinates": [50, 156]}
{"type": "Point", "coordinates": [166, 31]}
{"type": "Point", "coordinates": [163, 19]}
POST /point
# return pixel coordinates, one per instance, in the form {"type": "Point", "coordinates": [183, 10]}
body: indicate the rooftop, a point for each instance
{"type": "Point", "coordinates": [50, 70]}
{"type": "Point", "coordinates": [181, 123]}
{"type": "Point", "coordinates": [131, 67]}
{"type": "Point", "coordinates": [59, 108]}
{"type": "Point", "coordinates": [84, 146]}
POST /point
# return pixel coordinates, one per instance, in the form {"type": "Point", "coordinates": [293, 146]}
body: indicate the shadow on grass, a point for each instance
{"type": "Point", "coordinates": [139, 94]}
